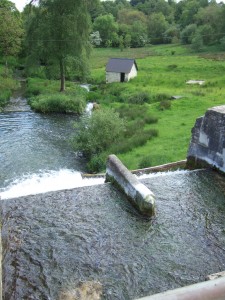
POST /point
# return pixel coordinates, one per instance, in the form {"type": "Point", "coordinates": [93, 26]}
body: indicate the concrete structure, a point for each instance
{"type": "Point", "coordinates": [207, 147]}
{"type": "Point", "coordinates": [209, 290]}
{"type": "Point", "coordinates": [120, 70]}
{"type": "Point", "coordinates": [139, 195]}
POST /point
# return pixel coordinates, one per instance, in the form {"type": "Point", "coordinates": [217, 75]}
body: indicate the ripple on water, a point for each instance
{"type": "Point", "coordinates": [58, 239]}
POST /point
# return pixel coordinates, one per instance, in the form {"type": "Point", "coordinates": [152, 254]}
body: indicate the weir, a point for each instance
{"type": "Point", "coordinates": [54, 241]}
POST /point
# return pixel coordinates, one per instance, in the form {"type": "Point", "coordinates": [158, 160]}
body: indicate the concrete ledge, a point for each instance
{"type": "Point", "coordinates": [138, 194]}
{"type": "Point", "coordinates": [162, 168]}
{"type": "Point", "coordinates": [215, 275]}
{"type": "Point", "coordinates": [208, 290]}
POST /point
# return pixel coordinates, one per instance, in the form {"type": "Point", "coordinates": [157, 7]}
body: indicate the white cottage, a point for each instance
{"type": "Point", "coordinates": [120, 70]}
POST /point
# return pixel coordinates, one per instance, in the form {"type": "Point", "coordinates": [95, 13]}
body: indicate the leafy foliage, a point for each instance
{"type": "Point", "coordinates": [98, 133]}
{"type": "Point", "coordinates": [59, 30]}
{"type": "Point", "coordinates": [58, 103]}
{"type": "Point", "coordinates": [11, 30]}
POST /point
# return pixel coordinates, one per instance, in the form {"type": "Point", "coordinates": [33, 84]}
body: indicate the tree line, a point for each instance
{"type": "Point", "coordinates": [135, 23]}
{"type": "Point", "coordinates": [59, 34]}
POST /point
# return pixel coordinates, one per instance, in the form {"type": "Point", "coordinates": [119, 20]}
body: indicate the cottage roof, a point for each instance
{"type": "Point", "coordinates": [120, 65]}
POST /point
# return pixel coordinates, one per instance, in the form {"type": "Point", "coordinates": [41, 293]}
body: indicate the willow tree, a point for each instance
{"type": "Point", "coordinates": [11, 31]}
{"type": "Point", "coordinates": [58, 31]}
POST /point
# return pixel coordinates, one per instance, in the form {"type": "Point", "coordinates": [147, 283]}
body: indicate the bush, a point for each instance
{"type": "Point", "coordinates": [150, 119]}
{"type": "Point", "coordinates": [96, 164]}
{"type": "Point", "coordinates": [139, 138]}
{"type": "Point", "coordinates": [60, 103]}
{"type": "Point", "coordinates": [98, 133]}
{"type": "Point", "coordinates": [139, 98]}
{"type": "Point", "coordinates": [165, 104]}
{"type": "Point", "coordinates": [93, 96]}
{"type": "Point", "coordinates": [161, 97]}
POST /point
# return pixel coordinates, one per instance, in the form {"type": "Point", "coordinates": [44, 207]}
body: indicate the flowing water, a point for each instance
{"type": "Point", "coordinates": [35, 147]}
{"type": "Point", "coordinates": [53, 241]}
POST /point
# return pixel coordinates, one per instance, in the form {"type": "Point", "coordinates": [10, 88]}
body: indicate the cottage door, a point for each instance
{"type": "Point", "coordinates": [122, 77]}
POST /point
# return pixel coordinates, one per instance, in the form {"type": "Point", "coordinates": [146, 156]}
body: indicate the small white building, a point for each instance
{"type": "Point", "coordinates": [120, 70]}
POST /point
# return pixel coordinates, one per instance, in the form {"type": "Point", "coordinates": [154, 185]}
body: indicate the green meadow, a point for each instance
{"type": "Point", "coordinates": [163, 72]}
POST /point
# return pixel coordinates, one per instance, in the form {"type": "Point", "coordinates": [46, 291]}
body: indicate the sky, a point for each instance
{"type": "Point", "coordinates": [21, 3]}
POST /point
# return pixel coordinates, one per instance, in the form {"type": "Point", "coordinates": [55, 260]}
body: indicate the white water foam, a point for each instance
{"type": "Point", "coordinates": [160, 174]}
{"type": "Point", "coordinates": [89, 108]}
{"type": "Point", "coordinates": [45, 182]}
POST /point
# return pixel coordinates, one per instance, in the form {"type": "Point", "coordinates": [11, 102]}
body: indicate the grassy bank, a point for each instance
{"type": "Point", "coordinates": [163, 72]}
{"type": "Point", "coordinates": [44, 96]}
{"type": "Point", "coordinates": [7, 85]}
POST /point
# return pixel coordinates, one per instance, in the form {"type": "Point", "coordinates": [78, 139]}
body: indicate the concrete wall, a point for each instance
{"type": "Point", "coordinates": [138, 194]}
{"type": "Point", "coordinates": [207, 147]}
{"type": "Point", "coordinates": [133, 73]}
{"type": "Point", "coordinates": [112, 77]}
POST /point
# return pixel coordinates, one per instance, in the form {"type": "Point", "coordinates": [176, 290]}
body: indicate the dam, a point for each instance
{"type": "Point", "coordinates": [53, 241]}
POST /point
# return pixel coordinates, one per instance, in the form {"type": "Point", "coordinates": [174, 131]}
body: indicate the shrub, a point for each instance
{"type": "Point", "coordinates": [165, 104]}
{"type": "Point", "coordinates": [96, 164]}
{"type": "Point", "coordinates": [60, 103]}
{"type": "Point", "coordinates": [139, 138]}
{"type": "Point", "coordinates": [98, 132]}
{"type": "Point", "coordinates": [139, 98]}
{"type": "Point", "coordinates": [150, 119]}
{"type": "Point", "coordinates": [93, 96]}
{"type": "Point", "coordinates": [161, 97]}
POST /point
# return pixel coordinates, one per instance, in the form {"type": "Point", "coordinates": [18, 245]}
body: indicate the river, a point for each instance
{"type": "Point", "coordinates": [35, 151]}
{"type": "Point", "coordinates": [53, 241]}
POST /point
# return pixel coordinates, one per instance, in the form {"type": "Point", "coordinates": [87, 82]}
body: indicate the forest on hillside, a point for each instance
{"type": "Point", "coordinates": [47, 31]}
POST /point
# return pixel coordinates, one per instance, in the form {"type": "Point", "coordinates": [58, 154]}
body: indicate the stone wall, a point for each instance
{"type": "Point", "coordinates": [207, 147]}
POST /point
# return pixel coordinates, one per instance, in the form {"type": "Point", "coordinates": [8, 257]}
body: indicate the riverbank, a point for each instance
{"type": "Point", "coordinates": [161, 79]}
{"type": "Point", "coordinates": [7, 85]}
{"type": "Point", "coordinates": [158, 101]}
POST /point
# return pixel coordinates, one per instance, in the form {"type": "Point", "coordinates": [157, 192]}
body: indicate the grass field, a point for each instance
{"type": "Point", "coordinates": [163, 72]}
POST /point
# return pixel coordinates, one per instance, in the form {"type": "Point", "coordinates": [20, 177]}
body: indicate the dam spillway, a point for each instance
{"type": "Point", "coordinates": [54, 240]}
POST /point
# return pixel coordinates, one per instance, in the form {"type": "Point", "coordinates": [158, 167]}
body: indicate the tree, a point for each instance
{"type": "Point", "coordinates": [210, 16]}
{"type": "Point", "coordinates": [171, 34]}
{"type": "Point", "coordinates": [157, 25]}
{"type": "Point", "coordinates": [138, 35]}
{"type": "Point", "coordinates": [59, 30]}
{"type": "Point", "coordinates": [188, 33]}
{"type": "Point", "coordinates": [188, 14]}
{"type": "Point", "coordinates": [108, 28]}
{"type": "Point", "coordinates": [197, 42]}
{"type": "Point", "coordinates": [11, 31]}
{"type": "Point", "coordinates": [129, 16]}
{"type": "Point", "coordinates": [95, 38]}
